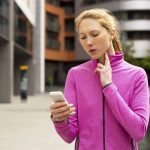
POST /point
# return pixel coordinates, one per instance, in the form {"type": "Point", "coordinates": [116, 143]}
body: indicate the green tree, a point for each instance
{"type": "Point", "coordinates": [142, 62]}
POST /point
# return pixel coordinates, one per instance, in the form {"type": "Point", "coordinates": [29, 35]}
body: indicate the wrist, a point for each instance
{"type": "Point", "coordinates": [106, 85]}
{"type": "Point", "coordinates": [56, 120]}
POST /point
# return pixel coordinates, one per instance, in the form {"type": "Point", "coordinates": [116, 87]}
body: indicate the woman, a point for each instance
{"type": "Point", "coordinates": [110, 96]}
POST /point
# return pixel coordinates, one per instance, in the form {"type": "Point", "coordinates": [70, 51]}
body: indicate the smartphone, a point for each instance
{"type": "Point", "coordinates": [57, 96]}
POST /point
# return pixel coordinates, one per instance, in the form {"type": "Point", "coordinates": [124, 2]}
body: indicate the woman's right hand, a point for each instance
{"type": "Point", "coordinates": [61, 111]}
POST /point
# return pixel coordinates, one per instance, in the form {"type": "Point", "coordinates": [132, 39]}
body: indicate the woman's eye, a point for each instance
{"type": "Point", "coordinates": [82, 37]}
{"type": "Point", "coordinates": [95, 34]}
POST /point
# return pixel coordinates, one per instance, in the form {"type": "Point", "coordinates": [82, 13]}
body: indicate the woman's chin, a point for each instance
{"type": "Point", "coordinates": [95, 57]}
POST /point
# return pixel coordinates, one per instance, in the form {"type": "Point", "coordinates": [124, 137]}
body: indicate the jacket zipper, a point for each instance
{"type": "Point", "coordinates": [77, 143]}
{"type": "Point", "coordinates": [103, 109]}
{"type": "Point", "coordinates": [104, 137]}
{"type": "Point", "coordinates": [132, 144]}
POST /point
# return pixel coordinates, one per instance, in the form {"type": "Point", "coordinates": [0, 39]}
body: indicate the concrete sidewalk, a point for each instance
{"type": "Point", "coordinates": [27, 126]}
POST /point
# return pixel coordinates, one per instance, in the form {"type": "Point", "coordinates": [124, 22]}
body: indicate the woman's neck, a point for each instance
{"type": "Point", "coordinates": [110, 51]}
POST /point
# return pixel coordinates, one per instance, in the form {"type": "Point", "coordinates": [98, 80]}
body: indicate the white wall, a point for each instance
{"type": "Point", "coordinates": [135, 25]}
{"type": "Point", "coordinates": [29, 9]}
{"type": "Point", "coordinates": [142, 48]}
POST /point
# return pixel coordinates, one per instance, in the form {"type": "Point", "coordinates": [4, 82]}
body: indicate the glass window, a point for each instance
{"type": "Point", "coordinates": [69, 25]}
{"type": "Point", "coordinates": [23, 30]}
{"type": "Point", "coordinates": [139, 35]}
{"type": "Point", "coordinates": [88, 2]}
{"type": "Point", "coordinates": [52, 23]}
{"type": "Point", "coordinates": [69, 7]}
{"type": "Point", "coordinates": [4, 17]}
{"type": "Point", "coordinates": [52, 41]}
{"type": "Point", "coordinates": [69, 43]}
{"type": "Point", "coordinates": [4, 7]}
{"type": "Point", "coordinates": [121, 15]}
{"type": "Point", "coordinates": [141, 14]}
{"type": "Point", "coordinates": [133, 15]}
{"type": "Point", "coordinates": [53, 2]}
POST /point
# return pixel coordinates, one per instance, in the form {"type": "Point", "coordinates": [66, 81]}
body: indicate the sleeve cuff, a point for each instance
{"type": "Point", "coordinates": [109, 90]}
{"type": "Point", "coordinates": [59, 123]}
{"type": "Point", "coordinates": [106, 85]}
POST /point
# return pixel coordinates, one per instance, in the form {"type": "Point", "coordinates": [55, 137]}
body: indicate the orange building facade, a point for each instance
{"type": "Point", "coordinates": [59, 40]}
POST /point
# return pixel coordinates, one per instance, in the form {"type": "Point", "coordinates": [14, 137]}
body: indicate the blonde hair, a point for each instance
{"type": "Point", "coordinates": [106, 19]}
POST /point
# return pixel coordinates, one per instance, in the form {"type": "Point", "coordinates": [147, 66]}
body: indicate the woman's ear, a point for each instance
{"type": "Point", "coordinates": [112, 35]}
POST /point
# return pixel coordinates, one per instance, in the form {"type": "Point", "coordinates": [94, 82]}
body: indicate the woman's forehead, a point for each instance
{"type": "Point", "coordinates": [89, 24]}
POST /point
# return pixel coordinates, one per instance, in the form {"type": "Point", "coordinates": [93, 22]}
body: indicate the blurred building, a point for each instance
{"type": "Point", "coordinates": [134, 17]}
{"type": "Point", "coordinates": [60, 40]}
{"type": "Point", "coordinates": [40, 34]}
{"type": "Point", "coordinates": [21, 43]}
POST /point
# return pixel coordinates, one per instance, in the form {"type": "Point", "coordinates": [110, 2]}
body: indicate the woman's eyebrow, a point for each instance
{"type": "Point", "coordinates": [81, 33]}
{"type": "Point", "coordinates": [95, 30]}
{"type": "Point", "coordinates": [90, 31]}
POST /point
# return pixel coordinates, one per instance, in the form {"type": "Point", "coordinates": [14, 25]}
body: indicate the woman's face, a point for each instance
{"type": "Point", "coordinates": [94, 38]}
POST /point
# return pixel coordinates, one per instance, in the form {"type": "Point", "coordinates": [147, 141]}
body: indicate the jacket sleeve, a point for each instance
{"type": "Point", "coordinates": [68, 129]}
{"type": "Point", "coordinates": [134, 119]}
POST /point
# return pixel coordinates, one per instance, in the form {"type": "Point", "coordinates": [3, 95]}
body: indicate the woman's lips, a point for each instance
{"type": "Point", "coordinates": [92, 50]}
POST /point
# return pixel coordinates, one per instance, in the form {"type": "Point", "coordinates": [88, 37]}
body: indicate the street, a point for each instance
{"type": "Point", "coordinates": [27, 125]}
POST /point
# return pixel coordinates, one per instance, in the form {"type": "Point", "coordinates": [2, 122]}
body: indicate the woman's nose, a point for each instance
{"type": "Point", "coordinates": [89, 41]}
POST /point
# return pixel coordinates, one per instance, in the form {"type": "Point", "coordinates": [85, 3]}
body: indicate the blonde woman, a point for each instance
{"type": "Point", "coordinates": [108, 99]}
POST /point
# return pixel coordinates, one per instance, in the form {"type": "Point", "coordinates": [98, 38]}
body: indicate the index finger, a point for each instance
{"type": "Point", "coordinates": [107, 61]}
{"type": "Point", "coordinates": [58, 104]}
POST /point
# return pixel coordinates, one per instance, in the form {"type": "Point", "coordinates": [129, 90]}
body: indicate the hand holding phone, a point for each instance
{"type": "Point", "coordinates": [57, 96]}
{"type": "Point", "coordinates": [60, 110]}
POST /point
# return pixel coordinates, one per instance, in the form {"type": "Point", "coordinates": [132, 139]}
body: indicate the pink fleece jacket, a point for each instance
{"type": "Point", "coordinates": [111, 118]}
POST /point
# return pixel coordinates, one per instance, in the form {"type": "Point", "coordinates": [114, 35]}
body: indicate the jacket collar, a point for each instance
{"type": "Point", "coordinates": [114, 59]}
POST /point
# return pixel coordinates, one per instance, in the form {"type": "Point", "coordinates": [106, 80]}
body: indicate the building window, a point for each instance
{"type": "Point", "coordinates": [4, 17]}
{"type": "Point", "coordinates": [4, 7]}
{"type": "Point", "coordinates": [69, 43]}
{"type": "Point", "coordinates": [138, 35]}
{"type": "Point", "coordinates": [69, 25]}
{"type": "Point", "coordinates": [121, 15]}
{"type": "Point", "coordinates": [52, 32]}
{"type": "Point", "coordinates": [52, 23]}
{"type": "Point", "coordinates": [53, 2]}
{"type": "Point", "coordinates": [88, 2]}
{"type": "Point", "coordinates": [23, 30]}
{"type": "Point", "coordinates": [68, 7]}
{"type": "Point", "coordinates": [133, 15]}
{"type": "Point", "coordinates": [52, 41]}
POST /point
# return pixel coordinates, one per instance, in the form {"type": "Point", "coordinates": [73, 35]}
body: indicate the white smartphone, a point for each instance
{"type": "Point", "coordinates": [57, 96]}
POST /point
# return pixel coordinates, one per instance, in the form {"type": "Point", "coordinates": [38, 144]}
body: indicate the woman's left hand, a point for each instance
{"type": "Point", "coordinates": [105, 71]}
